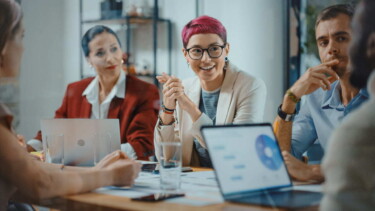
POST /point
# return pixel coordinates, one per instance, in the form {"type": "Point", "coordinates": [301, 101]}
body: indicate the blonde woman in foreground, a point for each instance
{"type": "Point", "coordinates": [28, 180]}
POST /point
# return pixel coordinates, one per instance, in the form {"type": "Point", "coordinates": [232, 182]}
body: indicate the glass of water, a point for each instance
{"type": "Point", "coordinates": [54, 148]}
{"type": "Point", "coordinates": [102, 146]}
{"type": "Point", "coordinates": [170, 156]}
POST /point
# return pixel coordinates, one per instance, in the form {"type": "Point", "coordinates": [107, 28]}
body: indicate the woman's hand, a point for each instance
{"type": "Point", "coordinates": [110, 158]}
{"type": "Point", "coordinates": [189, 106]}
{"type": "Point", "coordinates": [171, 85]}
{"type": "Point", "coordinates": [172, 89]}
{"type": "Point", "coordinates": [21, 140]}
{"type": "Point", "coordinates": [124, 171]}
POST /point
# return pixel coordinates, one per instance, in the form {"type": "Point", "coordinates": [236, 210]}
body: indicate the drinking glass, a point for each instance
{"type": "Point", "coordinates": [54, 148]}
{"type": "Point", "coordinates": [102, 146]}
{"type": "Point", "coordinates": [170, 156]}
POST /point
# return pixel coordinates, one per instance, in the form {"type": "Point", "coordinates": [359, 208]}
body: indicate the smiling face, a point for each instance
{"type": "Point", "coordinates": [333, 37]}
{"type": "Point", "coordinates": [207, 69]}
{"type": "Point", "coordinates": [105, 55]}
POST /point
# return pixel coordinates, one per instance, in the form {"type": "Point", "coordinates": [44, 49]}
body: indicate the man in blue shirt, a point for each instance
{"type": "Point", "coordinates": [329, 96]}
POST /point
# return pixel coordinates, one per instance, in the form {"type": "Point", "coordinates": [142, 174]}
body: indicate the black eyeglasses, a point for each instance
{"type": "Point", "coordinates": [213, 51]}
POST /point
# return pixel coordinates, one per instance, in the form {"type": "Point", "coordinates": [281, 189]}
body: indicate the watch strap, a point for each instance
{"type": "Point", "coordinates": [285, 116]}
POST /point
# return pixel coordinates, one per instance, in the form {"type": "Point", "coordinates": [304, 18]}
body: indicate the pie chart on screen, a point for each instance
{"type": "Point", "coordinates": [268, 152]}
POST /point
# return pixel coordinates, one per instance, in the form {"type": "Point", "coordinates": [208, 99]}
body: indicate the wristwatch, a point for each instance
{"type": "Point", "coordinates": [286, 117]}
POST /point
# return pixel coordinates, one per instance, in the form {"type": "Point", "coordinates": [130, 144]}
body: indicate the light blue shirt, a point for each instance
{"type": "Point", "coordinates": [319, 115]}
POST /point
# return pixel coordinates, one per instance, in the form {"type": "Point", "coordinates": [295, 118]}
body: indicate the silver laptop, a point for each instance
{"type": "Point", "coordinates": [86, 141]}
{"type": "Point", "coordinates": [250, 169]}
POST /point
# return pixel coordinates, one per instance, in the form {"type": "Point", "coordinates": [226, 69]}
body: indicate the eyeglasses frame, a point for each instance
{"type": "Point", "coordinates": [206, 49]}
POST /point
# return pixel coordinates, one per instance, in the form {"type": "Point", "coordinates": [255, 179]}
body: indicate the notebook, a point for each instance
{"type": "Point", "coordinates": [250, 169]}
{"type": "Point", "coordinates": [84, 138]}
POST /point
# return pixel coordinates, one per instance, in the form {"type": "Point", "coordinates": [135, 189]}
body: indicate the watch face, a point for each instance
{"type": "Point", "coordinates": [289, 117]}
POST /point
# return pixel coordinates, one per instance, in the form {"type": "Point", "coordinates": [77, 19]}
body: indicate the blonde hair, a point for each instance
{"type": "Point", "coordinates": [10, 18]}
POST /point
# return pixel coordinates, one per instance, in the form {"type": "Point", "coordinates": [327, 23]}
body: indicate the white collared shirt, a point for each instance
{"type": "Point", "coordinates": [100, 111]}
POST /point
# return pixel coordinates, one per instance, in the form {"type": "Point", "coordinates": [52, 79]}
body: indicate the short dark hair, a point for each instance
{"type": "Point", "coordinates": [334, 11]}
{"type": "Point", "coordinates": [363, 26]}
{"type": "Point", "coordinates": [91, 33]}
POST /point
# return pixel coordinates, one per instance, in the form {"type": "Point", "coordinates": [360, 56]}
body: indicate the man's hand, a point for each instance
{"type": "Point", "coordinates": [300, 171]}
{"type": "Point", "coordinates": [321, 76]}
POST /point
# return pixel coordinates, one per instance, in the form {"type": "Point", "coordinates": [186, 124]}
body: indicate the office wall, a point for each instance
{"type": "Point", "coordinates": [52, 43]}
{"type": "Point", "coordinates": [43, 68]}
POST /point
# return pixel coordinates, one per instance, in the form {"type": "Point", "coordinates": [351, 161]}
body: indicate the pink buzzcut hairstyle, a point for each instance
{"type": "Point", "coordinates": [203, 25]}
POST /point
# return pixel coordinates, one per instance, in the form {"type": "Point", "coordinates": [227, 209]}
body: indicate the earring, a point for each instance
{"type": "Point", "coordinates": [226, 63]}
{"type": "Point", "coordinates": [188, 64]}
{"type": "Point", "coordinates": [91, 67]}
{"type": "Point", "coordinates": [122, 61]}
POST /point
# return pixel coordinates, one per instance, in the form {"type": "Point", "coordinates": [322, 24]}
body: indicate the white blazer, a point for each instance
{"type": "Point", "coordinates": [242, 99]}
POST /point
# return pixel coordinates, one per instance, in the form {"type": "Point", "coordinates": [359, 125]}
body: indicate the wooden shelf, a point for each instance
{"type": "Point", "coordinates": [128, 23]}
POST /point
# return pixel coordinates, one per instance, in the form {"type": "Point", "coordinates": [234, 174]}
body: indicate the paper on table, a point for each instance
{"type": "Point", "coordinates": [200, 174]}
{"type": "Point", "coordinates": [148, 180]}
{"type": "Point", "coordinates": [200, 188]}
{"type": "Point", "coordinates": [130, 193]}
{"type": "Point", "coordinates": [204, 178]}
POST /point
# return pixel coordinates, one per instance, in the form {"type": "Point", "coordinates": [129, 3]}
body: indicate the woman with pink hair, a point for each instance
{"type": "Point", "coordinates": [219, 94]}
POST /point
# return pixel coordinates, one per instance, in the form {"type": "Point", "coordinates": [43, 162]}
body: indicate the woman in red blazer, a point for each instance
{"type": "Point", "coordinates": [112, 94]}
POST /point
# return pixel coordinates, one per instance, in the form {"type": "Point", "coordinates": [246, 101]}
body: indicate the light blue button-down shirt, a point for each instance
{"type": "Point", "coordinates": [321, 112]}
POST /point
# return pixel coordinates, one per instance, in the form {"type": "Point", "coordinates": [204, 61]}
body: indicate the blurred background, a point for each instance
{"type": "Point", "coordinates": [267, 40]}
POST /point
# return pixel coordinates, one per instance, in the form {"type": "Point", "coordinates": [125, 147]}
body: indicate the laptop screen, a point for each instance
{"type": "Point", "coordinates": [245, 157]}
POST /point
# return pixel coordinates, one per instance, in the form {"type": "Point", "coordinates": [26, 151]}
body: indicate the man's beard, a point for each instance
{"type": "Point", "coordinates": [341, 70]}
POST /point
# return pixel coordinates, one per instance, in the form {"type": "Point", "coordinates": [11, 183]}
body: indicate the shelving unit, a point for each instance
{"type": "Point", "coordinates": [129, 22]}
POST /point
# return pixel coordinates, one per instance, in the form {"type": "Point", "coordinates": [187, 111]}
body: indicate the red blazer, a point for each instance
{"type": "Point", "coordinates": [137, 112]}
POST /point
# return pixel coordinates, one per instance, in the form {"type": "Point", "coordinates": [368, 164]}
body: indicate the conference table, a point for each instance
{"type": "Point", "coordinates": [97, 201]}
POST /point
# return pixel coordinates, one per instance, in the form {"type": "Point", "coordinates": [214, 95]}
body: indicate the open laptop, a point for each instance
{"type": "Point", "coordinates": [250, 169]}
{"type": "Point", "coordinates": [84, 138]}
